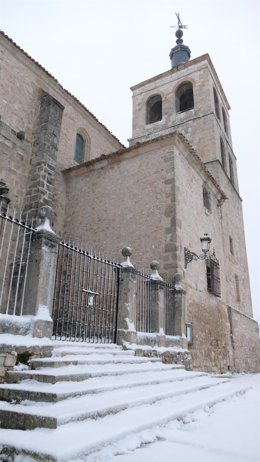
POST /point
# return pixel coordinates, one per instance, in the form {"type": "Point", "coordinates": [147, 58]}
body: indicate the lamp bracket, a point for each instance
{"type": "Point", "coordinates": [189, 256]}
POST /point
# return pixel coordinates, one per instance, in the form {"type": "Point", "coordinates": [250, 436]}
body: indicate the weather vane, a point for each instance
{"type": "Point", "coordinates": [180, 25]}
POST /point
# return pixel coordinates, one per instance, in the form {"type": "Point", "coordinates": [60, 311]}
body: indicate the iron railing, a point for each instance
{"type": "Point", "coordinates": [86, 295]}
{"type": "Point", "coordinates": [15, 243]}
{"type": "Point", "coordinates": [85, 304]}
{"type": "Point", "coordinates": [143, 302]}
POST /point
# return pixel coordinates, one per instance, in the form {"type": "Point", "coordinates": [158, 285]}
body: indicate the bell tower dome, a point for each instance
{"type": "Point", "coordinates": [180, 54]}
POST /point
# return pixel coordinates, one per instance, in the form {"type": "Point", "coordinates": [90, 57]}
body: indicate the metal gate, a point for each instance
{"type": "Point", "coordinates": [15, 243]}
{"type": "Point", "coordinates": [143, 301]}
{"type": "Point", "coordinates": [85, 304]}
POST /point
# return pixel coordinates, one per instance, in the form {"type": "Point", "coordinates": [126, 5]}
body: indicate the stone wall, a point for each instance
{"type": "Point", "coordinates": [150, 198]}
{"type": "Point", "coordinates": [245, 342]}
{"type": "Point", "coordinates": [211, 347]}
{"type": "Point", "coordinates": [21, 85]}
{"type": "Point", "coordinates": [222, 221]}
{"type": "Point", "coordinates": [122, 200]}
{"type": "Point", "coordinates": [15, 156]}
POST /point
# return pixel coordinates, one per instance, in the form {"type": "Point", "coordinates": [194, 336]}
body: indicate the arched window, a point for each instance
{"type": "Point", "coordinates": [184, 97]}
{"type": "Point", "coordinates": [216, 103]}
{"type": "Point", "coordinates": [79, 154]}
{"type": "Point", "coordinates": [154, 109]}
{"type": "Point", "coordinates": [224, 120]}
{"type": "Point", "coordinates": [223, 154]}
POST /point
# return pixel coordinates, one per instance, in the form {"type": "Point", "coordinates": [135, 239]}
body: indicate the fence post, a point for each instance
{"type": "Point", "coordinates": [126, 324]}
{"type": "Point", "coordinates": [41, 276]}
{"type": "Point", "coordinates": [158, 315]}
{"type": "Point", "coordinates": [179, 307]}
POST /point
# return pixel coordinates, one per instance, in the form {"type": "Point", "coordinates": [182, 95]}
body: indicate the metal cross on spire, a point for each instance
{"type": "Point", "coordinates": [180, 25]}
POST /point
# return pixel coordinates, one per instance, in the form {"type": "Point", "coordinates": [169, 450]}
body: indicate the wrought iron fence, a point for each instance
{"type": "Point", "coordinates": [85, 304]}
{"type": "Point", "coordinates": [143, 302]}
{"type": "Point", "coordinates": [86, 295]}
{"type": "Point", "coordinates": [15, 243]}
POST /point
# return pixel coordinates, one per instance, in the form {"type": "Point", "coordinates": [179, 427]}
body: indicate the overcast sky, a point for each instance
{"type": "Point", "coordinates": [97, 49]}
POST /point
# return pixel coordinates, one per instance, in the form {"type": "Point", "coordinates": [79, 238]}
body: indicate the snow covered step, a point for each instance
{"type": "Point", "coordinates": [38, 391]}
{"type": "Point", "coordinates": [78, 350]}
{"type": "Point", "coordinates": [84, 372]}
{"type": "Point", "coordinates": [90, 359]}
{"type": "Point", "coordinates": [61, 348]}
{"type": "Point", "coordinates": [79, 439]}
{"type": "Point", "coordinates": [61, 344]}
{"type": "Point", "coordinates": [29, 415]}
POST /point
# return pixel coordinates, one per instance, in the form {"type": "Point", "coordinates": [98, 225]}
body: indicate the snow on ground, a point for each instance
{"type": "Point", "coordinates": [227, 432]}
{"type": "Point", "coordinates": [24, 340]}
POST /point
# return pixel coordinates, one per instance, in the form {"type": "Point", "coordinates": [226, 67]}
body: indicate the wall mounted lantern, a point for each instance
{"type": "Point", "coordinates": [205, 247]}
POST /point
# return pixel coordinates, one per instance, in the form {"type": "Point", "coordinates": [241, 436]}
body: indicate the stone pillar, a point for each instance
{"type": "Point", "coordinates": [179, 307]}
{"type": "Point", "coordinates": [41, 276]}
{"type": "Point", "coordinates": [158, 315]}
{"type": "Point", "coordinates": [44, 155]}
{"type": "Point", "coordinates": [126, 324]}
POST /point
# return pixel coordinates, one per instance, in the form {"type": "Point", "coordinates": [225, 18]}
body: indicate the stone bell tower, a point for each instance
{"type": "Point", "coordinates": [188, 98]}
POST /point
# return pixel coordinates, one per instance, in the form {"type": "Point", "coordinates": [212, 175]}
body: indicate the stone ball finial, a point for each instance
{"type": "Point", "coordinates": [179, 33]}
{"type": "Point", "coordinates": [155, 265]}
{"type": "Point", "coordinates": [127, 252]}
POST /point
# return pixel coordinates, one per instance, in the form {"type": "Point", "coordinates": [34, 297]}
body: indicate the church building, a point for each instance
{"type": "Point", "coordinates": [172, 195]}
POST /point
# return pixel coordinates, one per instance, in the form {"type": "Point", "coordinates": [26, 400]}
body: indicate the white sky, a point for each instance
{"type": "Point", "coordinates": [97, 49]}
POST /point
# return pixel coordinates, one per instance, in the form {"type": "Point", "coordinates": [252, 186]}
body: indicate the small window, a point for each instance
{"type": "Point", "coordinates": [213, 276]}
{"type": "Point", "coordinates": [224, 120]}
{"type": "Point", "coordinates": [4, 201]}
{"type": "Point", "coordinates": [184, 97]}
{"type": "Point", "coordinates": [231, 246]}
{"type": "Point", "coordinates": [231, 170]}
{"type": "Point", "coordinates": [237, 288]}
{"type": "Point", "coordinates": [206, 199]}
{"type": "Point", "coordinates": [216, 103]}
{"type": "Point", "coordinates": [79, 155]}
{"type": "Point", "coordinates": [154, 109]}
{"type": "Point", "coordinates": [223, 154]}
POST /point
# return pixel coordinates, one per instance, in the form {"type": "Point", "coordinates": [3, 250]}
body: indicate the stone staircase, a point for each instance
{"type": "Point", "coordinates": [87, 397]}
